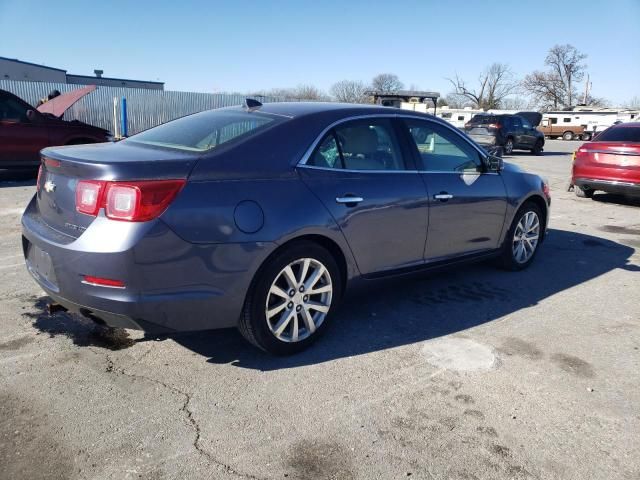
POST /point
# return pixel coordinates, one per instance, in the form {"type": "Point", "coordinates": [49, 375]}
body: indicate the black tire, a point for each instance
{"type": "Point", "coordinates": [253, 323]}
{"type": "Point", "coordinates": [586, 137]}
{"type": "Point", "coordinates": [507, 259]}
{"type": "Point", "coordinates": [508, 146]}
{"type": "Point", "coordinates": [567, 136]}
{"type": "Point", "coordinates": [583, 192]}
{"type": "Point", "coordinates": [538, 147]}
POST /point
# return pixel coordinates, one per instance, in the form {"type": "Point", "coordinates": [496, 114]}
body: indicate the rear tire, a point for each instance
{"type": "Point", "coordinates": [280, 316]}
{"type": "Point", "coordinates": [508, 146]}
{"type": "Point", "coordinates": [522, 242]}
{"type": "Point", "coordinates": [538, 147]}
{"type": "Point", "coordinates": [586, 137]}
{"type": "Point", "coordinates": [583, 192]}
{"type": "Point", "coordinates": [567, 136]}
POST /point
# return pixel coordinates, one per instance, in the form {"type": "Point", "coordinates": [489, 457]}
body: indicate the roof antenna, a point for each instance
{"type": "Point", "coordinates": [251, 104]}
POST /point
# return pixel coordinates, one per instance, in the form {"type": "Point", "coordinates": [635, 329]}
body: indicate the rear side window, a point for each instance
{"type": "Point", "coordinates": [359, 145]}
{"type": "Point", "coordinates": [204, 131]}
{"type": "Point", "coordinates": [620, 134]}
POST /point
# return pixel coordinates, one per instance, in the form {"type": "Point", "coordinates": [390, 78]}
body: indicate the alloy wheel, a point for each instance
{"type": "Point", "coordinates": [525, 237]}
{"type": "Point", "coordinates": [299, 300]}
{"type": "Point", "coordinates": [508, 147]}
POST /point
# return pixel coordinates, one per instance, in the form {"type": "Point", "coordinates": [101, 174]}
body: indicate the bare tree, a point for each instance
{"type": "Point", "coordinates": [633, 104]}
{"type": "Point", "coordinates": [457, 101]}
{"type": "Point", "coordinates": [301, 92]}
{"type": "Point", "coordinates": [567, 65]}
{"type": "Point", "coordinates": [494, 84]}
{"type": "Point", "coordinates": [350, 91]}
{"type": "Point", "coordinates": [514, 103]}
{"type": "Point", "coordinates": [556, 88]}
{"type": "Point", "coordinates": [386, 83]}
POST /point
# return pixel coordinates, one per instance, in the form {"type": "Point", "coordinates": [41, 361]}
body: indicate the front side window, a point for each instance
{"type": "Point", "coordinates": [525, 123]}
{"type": "Point", "coordinates": [443, 150]}
{"type": "Point", "coordinates": [517, 122]}
{"type": "Point", "coordinates": [204, 131]}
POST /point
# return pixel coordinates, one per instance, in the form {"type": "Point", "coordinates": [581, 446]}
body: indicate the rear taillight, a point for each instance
{"type": "Point", "coordinates": [137, 201]}
{"type": "Point", "coordinates": [494, 125]}
{"type": "Point", "coordinates": [89, 196]}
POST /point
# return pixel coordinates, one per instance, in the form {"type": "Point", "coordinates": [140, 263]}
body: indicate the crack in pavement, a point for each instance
{"type": "Point", "coordinates": [111, 368]}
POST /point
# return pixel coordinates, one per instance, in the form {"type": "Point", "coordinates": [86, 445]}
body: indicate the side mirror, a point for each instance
{"type": "Point", "coordinates": [32, 116]}
{"type": "Point", "coordinates": [494, 163]}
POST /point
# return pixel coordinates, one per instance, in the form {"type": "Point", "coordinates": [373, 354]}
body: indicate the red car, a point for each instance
{"type": "Point", "coordinates": [24, 130]}
{"type": "Point", "coordinates": [610, 163]}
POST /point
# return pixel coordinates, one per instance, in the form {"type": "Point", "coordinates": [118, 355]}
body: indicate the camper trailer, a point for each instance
{"type": "Point", "coordinates": [582, 123]}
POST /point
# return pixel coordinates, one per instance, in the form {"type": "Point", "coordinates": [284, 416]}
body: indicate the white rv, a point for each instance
{"type": "Point", "coordinates": [592, 120]}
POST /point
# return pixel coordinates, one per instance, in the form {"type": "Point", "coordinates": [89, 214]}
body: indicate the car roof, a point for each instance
{"type": "Point", "coordinates": [298, 109]}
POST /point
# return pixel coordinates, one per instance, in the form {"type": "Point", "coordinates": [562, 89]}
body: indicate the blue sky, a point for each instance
{"type": "Point", "coordinates": [250, 45]}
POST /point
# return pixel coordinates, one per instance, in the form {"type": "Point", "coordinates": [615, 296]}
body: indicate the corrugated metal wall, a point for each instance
{"type": "Point", "coordinates": [145, 108]}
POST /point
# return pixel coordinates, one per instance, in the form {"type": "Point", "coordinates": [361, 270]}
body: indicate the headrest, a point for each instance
{"type": "Point", "coordinates": [360, 140]}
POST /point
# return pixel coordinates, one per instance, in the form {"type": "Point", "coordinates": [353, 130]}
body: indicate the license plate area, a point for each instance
{"type": "Point", "coordinates": [40, 265]}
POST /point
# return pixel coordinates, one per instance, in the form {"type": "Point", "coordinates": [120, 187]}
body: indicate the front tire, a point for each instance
{"type": "Point", "coordinates": [291, 300]}
{"type": "Point", "coordinates": [508, 146]}
{"type": "Point", "coordinates": [523, 238]}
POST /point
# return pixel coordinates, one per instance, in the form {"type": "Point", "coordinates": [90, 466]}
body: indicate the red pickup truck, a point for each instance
{"type": "Point", "coordinates": [24, 130]}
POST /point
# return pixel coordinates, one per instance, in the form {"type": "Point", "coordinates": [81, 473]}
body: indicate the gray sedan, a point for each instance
{"type": "Point", "coordinates": [260, 217]}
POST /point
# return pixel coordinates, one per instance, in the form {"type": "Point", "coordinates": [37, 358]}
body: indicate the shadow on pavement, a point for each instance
{"type": "Point", "coordinates": [617, 199]}
{"type": "Point", "coordinates": [19, 178]}
{"type": "Point", "coordinates": [392, 313]}
{"type": "Point", "coordinates": [401, 312]}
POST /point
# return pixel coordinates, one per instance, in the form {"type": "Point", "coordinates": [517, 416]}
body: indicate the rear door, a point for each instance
{"type": "Point", "coordinates": [21, 139]}
{"type": "Point", "coordinates": [365, 178]}
{"type": "Point", "coordinates": [467, 204]}
{"type": "Point", "coordinates": [519, 136]}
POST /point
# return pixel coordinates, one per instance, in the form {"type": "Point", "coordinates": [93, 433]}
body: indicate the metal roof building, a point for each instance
{"type": "Point", "coordinates": [14, 69]}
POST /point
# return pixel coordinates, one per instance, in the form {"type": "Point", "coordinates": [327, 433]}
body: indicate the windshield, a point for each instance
{"type": "Point", "coordinates": [204, 131]}
{"type": "Point", "coordinates": [620, 134]}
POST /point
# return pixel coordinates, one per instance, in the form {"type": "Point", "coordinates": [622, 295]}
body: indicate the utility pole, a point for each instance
{"type": "Point", "coordinates": [586, 90]}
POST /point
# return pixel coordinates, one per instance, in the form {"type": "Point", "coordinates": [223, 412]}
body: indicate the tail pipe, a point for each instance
{"type": "Point", "coordinates": [53, 308]}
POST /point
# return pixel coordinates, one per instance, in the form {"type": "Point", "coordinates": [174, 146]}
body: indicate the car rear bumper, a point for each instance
{"type": "Point", "coordinates": [484, 140]}
{"type": "Point", "coordinates": [170, 284]}
{"type": "Point", "coordinates": [610, 186]}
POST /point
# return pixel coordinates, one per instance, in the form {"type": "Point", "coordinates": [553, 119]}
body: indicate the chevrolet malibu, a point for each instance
{"type": "Point", "coordinates": [259, 217]}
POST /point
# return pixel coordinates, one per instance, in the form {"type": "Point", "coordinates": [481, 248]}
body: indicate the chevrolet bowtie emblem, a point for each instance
{"type": "Point", "coordinates": [49, 186]}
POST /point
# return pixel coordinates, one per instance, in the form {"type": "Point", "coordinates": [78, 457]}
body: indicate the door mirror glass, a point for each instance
{"type": "Point", "coordinates": [494, 164]}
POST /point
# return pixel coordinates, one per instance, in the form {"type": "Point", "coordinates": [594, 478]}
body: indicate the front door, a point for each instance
{"type": "Point", "coordinates": [467, 204]}
{"type": "Point", "coordinates": [360, 174]}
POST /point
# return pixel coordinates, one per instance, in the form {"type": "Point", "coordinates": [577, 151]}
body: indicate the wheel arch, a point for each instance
{"type": "Point", "coordinates": [324, 241]}
{"type": "Point", "coordinates": [541, 203]}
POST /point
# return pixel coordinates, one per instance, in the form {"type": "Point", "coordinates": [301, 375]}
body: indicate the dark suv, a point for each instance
{"type": "Point", "coordinates": [508, 131]}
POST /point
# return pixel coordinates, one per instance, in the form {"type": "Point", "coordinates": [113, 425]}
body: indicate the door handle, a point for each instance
{"type": "Point", "coordinates": [349, 199]}
{"type": "Point", "coordinates": [443, 196]}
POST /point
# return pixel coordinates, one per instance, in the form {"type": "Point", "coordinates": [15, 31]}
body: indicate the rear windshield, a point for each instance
{"type": "Point", "coordinates": [620, 134]}
{"type": "Point", "coordinates": [204, 131]}
{"type": "Point", "coordinates": [484, 119]}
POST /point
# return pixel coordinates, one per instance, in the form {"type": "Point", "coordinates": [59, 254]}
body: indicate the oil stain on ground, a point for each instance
{"type": "Point", "coordinates": [314, 459]}
{"type": "Point", "coordinates": [574, 365]}
{"type": "Point", "coordinates": [16, 343]}
{"type": "Point", "coordinates": [465, 293]}
{"type": "Point", "coordinates": [620, 229]}
{"type": "Point", "coordinates": [28, 447]}
{"type": "Point", "coordinates": [516, 346]}
{"type": "Point", "coordinates": [81, 331]}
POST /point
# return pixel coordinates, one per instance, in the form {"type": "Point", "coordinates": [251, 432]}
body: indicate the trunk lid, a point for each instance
{"type": "Point", "coordinates": [614, 154]}
{"type": "Point", "coordinates": [63, 167]}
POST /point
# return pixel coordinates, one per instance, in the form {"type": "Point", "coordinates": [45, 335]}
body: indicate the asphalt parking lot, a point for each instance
{"type": "Point", "coordinates": [473, 373]}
